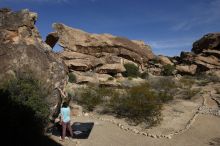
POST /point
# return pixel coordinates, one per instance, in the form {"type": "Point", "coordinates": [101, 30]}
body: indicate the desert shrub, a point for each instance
{"type": "Point", "coordinates": [164, 84]}
{"type": "Point", "coordinates": [23, 110]}
{"type": "Point", "coordinates": [90, 97]}
{"type": "Point", "coordinates": [139, 104]}
{"type": "Point", "coordinates": [144, 75]}
{"type": "Point", "coordinates": [207, 78]}
{"type": "Point", "coordinates": [154, 61]}
{"type": "Point", "coordinates": [187, 81]}
{"type": "Point", "coordinates": [69, 90]}
{"type": "Point", "coordinates": [72, 78]}
{"type": "Point", "coordinates": [165, 97]}
{"type": "Point", "coordinates": [110, 78]}
{"type": "Point", "coordinates": [26, 90]}
{"type": "Point", "coordinates": [168, 70]}
{"type": "Point", "coordinates": [131, 70]}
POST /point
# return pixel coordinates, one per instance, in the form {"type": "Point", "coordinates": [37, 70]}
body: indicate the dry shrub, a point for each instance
{"type": "Point", "coordinates": [139, 104]}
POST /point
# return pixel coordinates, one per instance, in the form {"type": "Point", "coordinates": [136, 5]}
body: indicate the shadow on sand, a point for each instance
{"type": "Point", "coordinates": [80, 130]}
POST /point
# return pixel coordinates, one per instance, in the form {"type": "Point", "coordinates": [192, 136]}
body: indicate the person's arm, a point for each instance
{"type": "Point", "coordinates": [61, 92]}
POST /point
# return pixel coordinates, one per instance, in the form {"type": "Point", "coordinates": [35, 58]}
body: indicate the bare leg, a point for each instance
{"type": "Point", "coordinates": [70, 129]}
{"type": "Point", "coordinates": [63, 130]}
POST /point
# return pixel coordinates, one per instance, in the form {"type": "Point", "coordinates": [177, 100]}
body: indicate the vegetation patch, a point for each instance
{"type": "Point", "coordinates": [24, 110]}
{"type": "Point", "coordinates": [110, 78]}
{"type": "Point", "coordinates": [139, 104]}
{"type": "Point", "coordinates": [131, 70]}
{"type": "Point", "coordinates": [144, 75]}
{"type": "Point", "coordinates": [72, 77]}
{"type": "Point", "coordinates": [168, 70]}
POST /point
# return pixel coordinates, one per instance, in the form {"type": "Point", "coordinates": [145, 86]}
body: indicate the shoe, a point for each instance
{"type": "Point", "coordinates": [60, 139]}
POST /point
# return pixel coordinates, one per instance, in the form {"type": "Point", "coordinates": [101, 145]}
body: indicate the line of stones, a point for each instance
{"type": "Point", "coordinates": [168, 136]}
{"type": "Point", "coordinates": [206, 110]}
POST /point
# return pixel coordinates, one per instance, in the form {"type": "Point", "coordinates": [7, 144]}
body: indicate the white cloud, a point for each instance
{"type": "Point", "coordinates": [172, 43]}
{"type": "Point", "coordinates": [202, 14]}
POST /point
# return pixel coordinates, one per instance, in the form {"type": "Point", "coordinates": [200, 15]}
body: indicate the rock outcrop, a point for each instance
{"type": "Point", "coordinates": [102, 53]}
{"type": "Point", "coordinates": [205, 55]}
{"type": "Point", "coordinates": [164, 60]}
{"type": "Point", "coordinates": [187, 69]}
{"type": "Point", "coordinates": [209, 41]}
{"type": "Point", "coordinates": [23, 51]}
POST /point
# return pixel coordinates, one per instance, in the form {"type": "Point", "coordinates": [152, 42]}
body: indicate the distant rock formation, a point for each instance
{"type": "Point", "coordinates": [205, 55]}
{"type": "Point", "coordinates": [100, 53]}
{"type": "Point", "coordinates": [208, 42]}
{"type": "Point", "coordinates": [23, 51]}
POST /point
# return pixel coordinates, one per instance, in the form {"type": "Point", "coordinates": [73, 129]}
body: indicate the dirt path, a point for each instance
{"type": "Point", "coordinates": [204, 131]}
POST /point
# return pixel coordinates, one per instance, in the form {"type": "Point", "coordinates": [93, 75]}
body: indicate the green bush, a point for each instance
{"type": "Point", "coordinates": [154, 61]}
{"type": "Point", "coordinates": [26, 90]}
{"type": "Point", "coordinates": [168, 70]}
{"type": "Point", "coordinates": [139, 104]}
{"type": "Point", "coordinates": [204, 78]}
{"type": "Point", "coordinates": [23, 110]}
{"type": "Point", "coordinates": [187, 81]}
{"type": "Point", "coordinates": [131, 70]}
{"type": "Point", "coordinates": [72, 78]}
{"type": "Point", "coordinates": [144, 75]}
{"type": "Point", "coordinates": [90, 97]}
{"type": "Point", "coordinates": [110, 78]}
{"type": "Point", "coordinates": [165, 97]}
{"type": "Point", "coordinates": [164, 84]}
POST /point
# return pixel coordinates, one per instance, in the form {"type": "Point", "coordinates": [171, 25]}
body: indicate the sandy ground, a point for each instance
{"type": "Point", "coordinates": [205, 129]}
{"type": "Point", "coordinates": [203, 132]}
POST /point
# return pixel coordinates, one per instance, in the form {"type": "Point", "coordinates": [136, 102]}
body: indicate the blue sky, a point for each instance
{"type": "Point", "coordinates": [169, 26]}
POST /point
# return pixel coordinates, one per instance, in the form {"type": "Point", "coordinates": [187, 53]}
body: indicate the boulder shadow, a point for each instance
{"type": "Point", "coordinates": [82, 130]}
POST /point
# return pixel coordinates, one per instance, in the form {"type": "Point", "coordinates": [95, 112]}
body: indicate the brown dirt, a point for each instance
{"type": "Point", "coordinates": [203, 131]}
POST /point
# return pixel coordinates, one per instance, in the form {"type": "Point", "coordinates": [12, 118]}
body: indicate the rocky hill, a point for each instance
{"type": "Point", "coordinates": [92, 57]}
{"type": "Point", "coordinates": [23, 51]}
{"type": "Point", "coordinates": [99, 53]}
{"type": "Point", "coordinates": [205, 56]}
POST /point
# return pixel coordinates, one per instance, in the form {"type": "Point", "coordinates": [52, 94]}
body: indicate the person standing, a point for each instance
{"type": "Point", "coordinates": [65, 118]}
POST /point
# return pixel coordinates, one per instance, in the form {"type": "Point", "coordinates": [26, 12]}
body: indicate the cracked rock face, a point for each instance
{"type": "Point", "coordinates": [205, 55]}
{"type": "Point", "coordinates": [209, 41]}
{"type": "Point", "coordinates": [96, 50]}
{"type": "Point", "coordinates": [23, 51]}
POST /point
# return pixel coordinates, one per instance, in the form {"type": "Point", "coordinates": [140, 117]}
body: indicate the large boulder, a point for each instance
{"type": "Point", "coordinates": [186, 69]}
{"type": "Point", "coordinates": [207, 62]}
{"type": "Point", "coordinates": [23, 51]}
{"type": "Point", "coordinates": [90, 77]}
{"type": "Point", "coordinates": [97, 49]}
{"type": "Point", "coordinates": [205, 55]}
{"type": "Point", "coordinates": [164, 60]}
{"type": "Point", "coordinates": [209, 41]}
{"type": "Point", "coordinates": [111, 69]}
{"type": "Point", "coordinates": [187, 57]}
{"type": "Point", "coordinates": [79, 61]}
